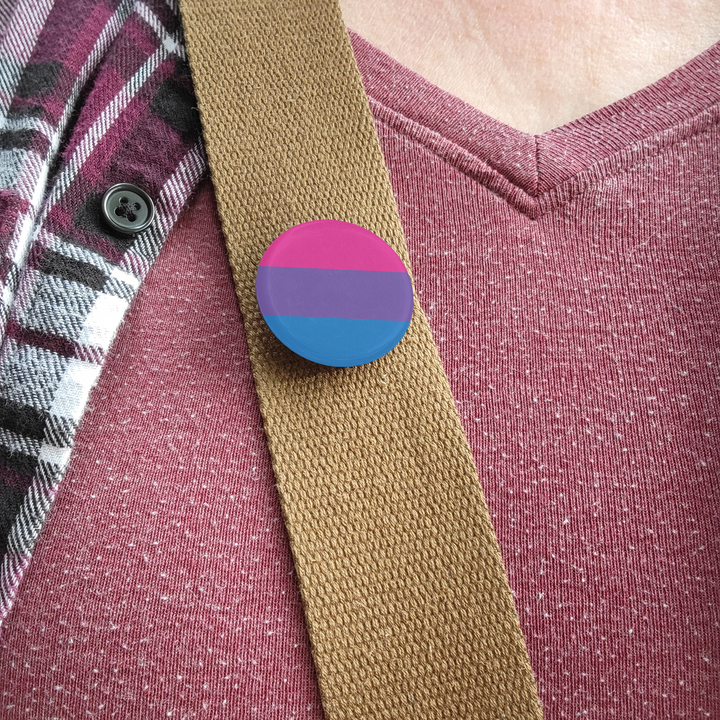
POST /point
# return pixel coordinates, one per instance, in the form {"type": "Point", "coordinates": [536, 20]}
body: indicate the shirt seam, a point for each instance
{"type": "Point", "coordinates": [534, 215]}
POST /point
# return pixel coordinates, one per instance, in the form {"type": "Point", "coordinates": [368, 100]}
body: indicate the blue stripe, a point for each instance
{"type": "Point", "coordinates": [340, 342]}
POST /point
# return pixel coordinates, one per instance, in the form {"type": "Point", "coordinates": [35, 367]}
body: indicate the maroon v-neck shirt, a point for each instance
{"type": "Point", "coordinates": [571, 282]}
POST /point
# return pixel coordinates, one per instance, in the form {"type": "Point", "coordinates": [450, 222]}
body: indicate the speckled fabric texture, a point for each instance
{"type": "Point", "coordinates": [166, 558]}
{"type": "Point", "coordinates": [571, 282]}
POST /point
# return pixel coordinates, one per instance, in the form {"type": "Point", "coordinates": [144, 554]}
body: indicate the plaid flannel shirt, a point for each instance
{"type": "Point", "coordinates": [92, 93]}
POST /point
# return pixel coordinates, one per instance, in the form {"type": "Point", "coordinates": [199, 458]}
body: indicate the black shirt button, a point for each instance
{"type": "Point", "coordinates": [127, 209]}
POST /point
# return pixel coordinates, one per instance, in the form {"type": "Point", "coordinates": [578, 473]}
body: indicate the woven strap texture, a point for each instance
{"type": "Point", "coordinates": [407, 604]}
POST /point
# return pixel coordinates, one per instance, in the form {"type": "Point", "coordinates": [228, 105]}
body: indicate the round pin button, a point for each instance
{"type": "Point", "coordinates": [334, 293]}
{"type": "Point", "coordinates": [127, 209]}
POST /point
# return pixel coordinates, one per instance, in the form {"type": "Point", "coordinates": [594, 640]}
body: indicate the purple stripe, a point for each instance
{"type": "Point", "coordinates": [14, 478]}
{"type": "Point", "coordinates": [313, 292]}
{"type": "Point", "coordinates": [54, 343]}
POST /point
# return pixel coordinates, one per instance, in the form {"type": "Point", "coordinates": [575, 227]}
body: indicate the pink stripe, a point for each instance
{"type": "Point", "coordinates": [332, 245]}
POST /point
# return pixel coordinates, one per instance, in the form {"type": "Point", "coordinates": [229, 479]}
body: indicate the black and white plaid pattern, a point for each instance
{"type": "Point", "coordinates": [67, 134]}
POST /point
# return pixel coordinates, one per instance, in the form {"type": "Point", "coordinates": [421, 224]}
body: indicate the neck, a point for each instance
{"type": "Point", "coordinates": [537, 64]}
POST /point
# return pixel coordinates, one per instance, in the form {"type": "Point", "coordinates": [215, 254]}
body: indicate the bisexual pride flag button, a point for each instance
{"type": "Point", "coordinates": [334, 293]}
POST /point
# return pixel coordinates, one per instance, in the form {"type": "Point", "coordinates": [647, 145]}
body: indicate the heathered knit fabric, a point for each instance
{"type": "Point", "coordinates": [581, 347]}
{"type": "Point", "coordinates": [91, 94]}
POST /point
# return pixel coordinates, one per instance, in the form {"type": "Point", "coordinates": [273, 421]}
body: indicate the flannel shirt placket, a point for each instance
{"type": "Point", "coordinates": [91, 94]}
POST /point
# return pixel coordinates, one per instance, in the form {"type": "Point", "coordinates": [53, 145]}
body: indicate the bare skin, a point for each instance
{"type": "Point", "coordinates": [537, 64]}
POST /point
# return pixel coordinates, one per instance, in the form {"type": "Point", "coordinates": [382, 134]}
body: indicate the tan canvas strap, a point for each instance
{"type": "Point", "coordinates": [407, 604]}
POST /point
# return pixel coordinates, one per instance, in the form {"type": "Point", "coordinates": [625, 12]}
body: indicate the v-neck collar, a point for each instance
{"type": "Point", "coordinates": [536, 173]}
